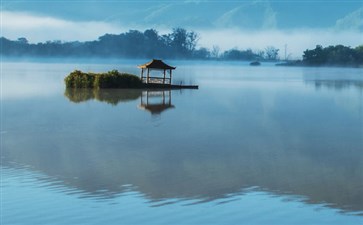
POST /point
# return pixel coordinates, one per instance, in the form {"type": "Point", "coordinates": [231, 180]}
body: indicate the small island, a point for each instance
{"type": "Point", "coordinates": [255, 63]}
{"type": "Point", "coordinates": [116, 79]}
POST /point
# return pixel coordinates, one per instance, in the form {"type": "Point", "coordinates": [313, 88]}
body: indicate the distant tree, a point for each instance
{"type": "Point", "coordinates": [23, 40]}
{"type": "Point", "coordinates": [261, 54]}
{"type": "Point", "coordinates": [215, 51]}
{"type": "Point", "coordinates": [315, 56]}
{"type": "Point", "coordinates": [151, 35]}
{"type": "Point", "coordinates": [339, 54]}
{"type": "Point", "coordinates": [179, 41]}
{"type": "Point", "coordinates": [192, 40]}
{"type": "Point", "coordinates": [167, 50]}
{"type": "Point", "coordinates": [9, 47]}
{"type": "Point", "coordinates": [153, 46]}
{"type": "Point", "coordinates": [235, 54]}
{"type": "Point", "coordinates": [134, 43]}
{"type": "Point", "coordinates": [182, 42]}
{"type": "Point", "coordinates": [249, 54]}
{"type": "Point", "coordinates": [359, 54]}
{"type": "Point", "coordinates": [271, 53]}
{"type": "Point", "coordinates": [202, 53]}
{"type": "Point", "coordinates": [108, 44]}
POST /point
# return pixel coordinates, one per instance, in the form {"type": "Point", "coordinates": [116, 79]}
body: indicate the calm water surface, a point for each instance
{"type": "Point", "coordinates": [254, 145]}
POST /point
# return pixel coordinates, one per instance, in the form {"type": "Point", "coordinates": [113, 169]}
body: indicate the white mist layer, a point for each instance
{"type": "Point", "coordinates": [43, 28]}
{"type": "Point", "coordinates": [39, 28]}
{"type": "Point", "coordinates": [296, 41]}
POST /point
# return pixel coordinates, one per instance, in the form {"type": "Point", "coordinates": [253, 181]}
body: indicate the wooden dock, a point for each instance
{"type": "Point", "coordinates": [169, 86]}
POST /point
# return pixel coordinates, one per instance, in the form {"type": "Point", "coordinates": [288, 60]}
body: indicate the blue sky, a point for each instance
{"type": "Point", "coordinates": [229, 24]}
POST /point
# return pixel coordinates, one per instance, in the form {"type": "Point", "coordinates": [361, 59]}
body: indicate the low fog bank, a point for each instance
{"type": "Point", "coordinates": [295, 42]}
{"type": "Point", "coordinates": [182, 44]}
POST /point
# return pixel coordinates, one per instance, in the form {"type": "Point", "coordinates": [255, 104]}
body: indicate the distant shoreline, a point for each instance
{"type": "Point", "coordinates": [300, 63]}
{"type": "Point", "coordinates": [112, 60]}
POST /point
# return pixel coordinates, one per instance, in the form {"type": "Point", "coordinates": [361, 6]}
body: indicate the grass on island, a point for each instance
{"type": "Point", "coordinates": [110, 79]}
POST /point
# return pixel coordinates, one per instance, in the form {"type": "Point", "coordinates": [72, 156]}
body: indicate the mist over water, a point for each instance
{"type": "Point", "coordinates": [243, 25]}
{"type": "Point", "coordinates": [295, 41]}
{"type": "Point", "coordinates": [254, 144]}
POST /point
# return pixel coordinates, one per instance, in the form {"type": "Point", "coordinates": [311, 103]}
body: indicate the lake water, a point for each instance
{"type": "Point", "coordinates": [254, 145]}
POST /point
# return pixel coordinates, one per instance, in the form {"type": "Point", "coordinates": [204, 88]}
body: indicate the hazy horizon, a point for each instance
{"type": "Point", "coordinates": [227, 24]}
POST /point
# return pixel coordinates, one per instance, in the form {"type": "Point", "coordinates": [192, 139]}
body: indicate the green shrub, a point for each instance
{"type": "Point", "coordinates": [78, 79]}
{"type": "Point", "coordinates": [111, 79]}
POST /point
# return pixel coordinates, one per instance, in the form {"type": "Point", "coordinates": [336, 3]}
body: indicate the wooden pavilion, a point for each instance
{"type": "Point", "coordinates": [159, 65]}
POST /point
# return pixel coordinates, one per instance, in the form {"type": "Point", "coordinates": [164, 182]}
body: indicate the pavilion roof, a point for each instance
{"type": "Point", "coordinates": [156, 108]}
{"type": "Point", "coordinates": [156, 64]}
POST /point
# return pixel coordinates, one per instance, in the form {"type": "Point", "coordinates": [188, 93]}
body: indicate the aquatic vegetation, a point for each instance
{"type": "Point", "coordinates": [110, 79]}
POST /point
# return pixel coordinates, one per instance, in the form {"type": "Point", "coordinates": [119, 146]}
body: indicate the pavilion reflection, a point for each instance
{"type": "Point", "coordinates": [156, 101]}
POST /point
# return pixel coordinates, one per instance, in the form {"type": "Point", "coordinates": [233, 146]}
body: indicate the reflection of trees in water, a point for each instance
{"type": "Point", "coordinates": [111, 96]}
{"type": "Point", "coordinates": [336, 84]}
{"type": "Point", "coordinates": [79, 95]}
{"type": "Point", "coordinates": [103, 168]}
{"type": "Point", "coordinates": [154, 101]}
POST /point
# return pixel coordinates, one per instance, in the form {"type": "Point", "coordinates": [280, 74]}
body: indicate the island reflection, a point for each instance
{"type": "Point", "coordinates": [110, 96]}
{"type": "Point", "coordinates": [336, 80]}
{"type": "Point", "coordinates": [154, 101]}
{"type": "Point", "coordinates": [336, 84]}
{"type": "Point", "coordinates": [100, 170]}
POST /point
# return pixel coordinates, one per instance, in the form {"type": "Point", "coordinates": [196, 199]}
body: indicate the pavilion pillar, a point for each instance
{"type": "Point", "coordinates": [164, 77]}
{"type": "Point", "coordinates": [148, 75]}
{"type": "Point", "coordinates": [163, 97]}
{"type": "Point", "coordinates": [142, 73]}
{"type": "Point", "coordinates": [147, 97]}
{"type": "Point", "coordinates": [169, 103]}
{"type": "Point", "coordinates": [170, 77]}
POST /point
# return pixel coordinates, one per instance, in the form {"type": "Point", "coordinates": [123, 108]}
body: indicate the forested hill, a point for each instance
{"type": "Point", "coordinates": [179, 44]}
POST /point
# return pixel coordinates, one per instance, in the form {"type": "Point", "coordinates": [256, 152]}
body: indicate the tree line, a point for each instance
{"type": "Point", "coordinates": [179, 44]}
{"type": "Point", "coordinates": [333, 55]}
